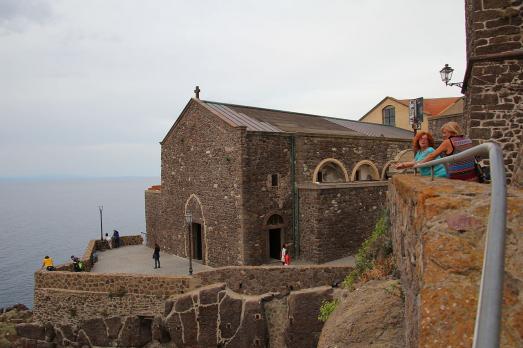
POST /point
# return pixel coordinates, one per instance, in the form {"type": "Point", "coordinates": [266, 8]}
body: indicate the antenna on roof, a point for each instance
{"type": "Point", "coordinates": [197, 92]}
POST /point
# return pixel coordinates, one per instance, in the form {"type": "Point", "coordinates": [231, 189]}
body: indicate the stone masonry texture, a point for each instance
{"type": "Point", "coordinates": [494, 79]}
{"type": "Point", "coordinates": [210, 316]}
{"type": "Point", "coordinates": [335, 221]}
{"type": "Point", "coordinates": [436, 122]}
{"type": "Point", "coordinates": [223, 176]}
{"type": "Point", "coordinates": [70, 297]}
{"type": "Point", "coordinates": [438, 230]}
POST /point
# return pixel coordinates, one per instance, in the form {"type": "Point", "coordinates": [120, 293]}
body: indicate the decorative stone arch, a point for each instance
{"type": "Point", "coordinates": [385, 168]}
{"type": "Point", "coordinates": [374, 172]}
{"type": "Point", "coordinates": [330, 161]}
{"type": "Point", "coordinates": [194, 205]}
{"type": "Point", "coordinates": [404, 156]}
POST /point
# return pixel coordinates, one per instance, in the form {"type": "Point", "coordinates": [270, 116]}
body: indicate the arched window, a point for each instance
{"type": "Point", "coordinates": [389, 115]}
{"type": "Point", "coordinates": [275, 220]}
{"type": "Point", "coordinates": [330, 170]}
{"type": "Point", "coordinates": [365, 171]}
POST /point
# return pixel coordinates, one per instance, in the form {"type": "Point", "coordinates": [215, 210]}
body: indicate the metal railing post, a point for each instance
{"type": "Point", "coordinates": [488, 316]}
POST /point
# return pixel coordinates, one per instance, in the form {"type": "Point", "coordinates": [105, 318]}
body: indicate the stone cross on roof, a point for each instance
{"type": "Point", "coordinates": [197, 92]}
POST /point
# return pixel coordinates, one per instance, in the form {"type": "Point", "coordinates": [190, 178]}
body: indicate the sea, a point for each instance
{"type": "Point", "coordinates": [57, 217]}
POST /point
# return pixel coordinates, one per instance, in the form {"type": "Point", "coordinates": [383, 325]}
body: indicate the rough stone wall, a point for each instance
{"type": "Point", "coordinates": [152, 215]}
{"type": "Point", "coordinates": [436, 122]}
{"type": "Point", "coordinates": [311, 150]}
{"type": "Point", "coordinates": [256, 280]}
{"type": "Point", "coordinates": [438, 230]}
{"type": "Point", "coordinates": [212, 316]}
{"type": "Point", "coordinates": [265, 154]}
{"type": "Point", "coordinates": [73, 306]}
{"type": "Point", "coordinates": [493, 108]}
{"type": "Point", "coordinates": [335, 219]}
{"type": "Point", "coordinates": [70, 297]}
{"type": "Point", "coordinates": [201, 167]}
{"type": "Point", "coordinates": [113, 282]}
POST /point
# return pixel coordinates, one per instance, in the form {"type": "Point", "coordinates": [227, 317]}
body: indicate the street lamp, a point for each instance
{"type": "Point", "coordinates": [188, 220]}
{"type": "Point", "coordinates": [101, 209]}
{"type": "Point", "coordinates": [446, 76]}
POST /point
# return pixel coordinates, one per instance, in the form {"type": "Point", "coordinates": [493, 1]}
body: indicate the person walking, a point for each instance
{"type": "Point", "coordinates": [156, 256]}
{"type": "Point", "coordinates": [109, 240]}
{"type": "Point", "coordinates": [283, 253]}
{"type": "Point", "coordinates": [116, 239]}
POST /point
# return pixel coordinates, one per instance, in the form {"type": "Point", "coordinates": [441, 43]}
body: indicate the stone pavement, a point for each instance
{"type": "Point", "coordinates": [138, 259]}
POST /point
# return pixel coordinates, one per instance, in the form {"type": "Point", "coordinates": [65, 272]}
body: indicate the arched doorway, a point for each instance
{"type": "Point", "coordinates": [198, 238]}
{"type": "Point", "coordinates": [274, 236]}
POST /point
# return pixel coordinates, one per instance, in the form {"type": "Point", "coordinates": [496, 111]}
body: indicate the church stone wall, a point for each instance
{"type": "Point", "coordinates": [335, 219]}
{"type": "Point", "coordinates": [152, 210]}
{"type": "Point", "coordinates": [493, 108]}
{"type": "Point", "coordinates": [311, 150]}
{"type": "Point", "coordinates": [436, 122]}
{"type": "Point", "coordinates": [201, 168]}
{"type": "Point", "coordinates": [265, 154]}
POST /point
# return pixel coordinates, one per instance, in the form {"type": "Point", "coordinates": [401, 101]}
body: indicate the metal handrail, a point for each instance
{"type": "Point", "coordinates": [488, 316]}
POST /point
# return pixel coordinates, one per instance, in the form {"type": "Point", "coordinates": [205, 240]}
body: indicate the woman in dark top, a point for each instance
{"type": "Point", "coordinates": [156, 256]}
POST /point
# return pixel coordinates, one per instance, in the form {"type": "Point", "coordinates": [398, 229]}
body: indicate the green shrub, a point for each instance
{"type": "Point", "coordinates": [378, 245]}
{"type": "Point", "coordinates": [327, 307]}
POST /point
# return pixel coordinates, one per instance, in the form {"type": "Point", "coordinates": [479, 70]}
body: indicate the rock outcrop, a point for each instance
{"type": "Point", "coordinates": [370, 316]}
{"type": "Point", "coordinates": [9, 317]}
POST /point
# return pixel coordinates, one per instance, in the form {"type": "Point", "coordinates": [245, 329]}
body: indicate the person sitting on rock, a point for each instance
{"type": "Point", "coordinates": [47, 262]}
{"type": "Point", "coordinates": [78, 265]}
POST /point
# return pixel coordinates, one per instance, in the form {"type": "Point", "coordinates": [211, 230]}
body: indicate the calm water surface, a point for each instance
{"type": "Point", "coordinates": [58, 218]}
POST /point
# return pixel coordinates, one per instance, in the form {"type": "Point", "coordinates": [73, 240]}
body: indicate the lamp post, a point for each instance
{"type": "Point", "coordinates": [101, 209]}
{"type": "Point", "coordinates": [188, 220]}
{"type": "Point", "coordinates": [446, 76]}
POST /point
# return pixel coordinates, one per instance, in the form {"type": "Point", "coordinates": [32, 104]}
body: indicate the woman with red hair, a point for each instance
{"type": "Point", "coordinates": [423, 145]}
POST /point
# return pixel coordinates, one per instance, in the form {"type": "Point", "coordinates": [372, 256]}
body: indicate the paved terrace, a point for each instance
{"type": "Point", "coordinates": [138, 259]}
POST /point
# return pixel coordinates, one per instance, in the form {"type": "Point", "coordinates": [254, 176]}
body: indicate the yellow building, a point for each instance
{"type": "Point", "coordinates": [395, 112]}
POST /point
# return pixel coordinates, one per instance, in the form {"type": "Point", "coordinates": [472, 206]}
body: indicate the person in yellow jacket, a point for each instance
{"type": "Point", "coordinates": [47, 262]}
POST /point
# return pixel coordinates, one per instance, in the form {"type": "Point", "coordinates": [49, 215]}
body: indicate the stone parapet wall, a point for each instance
{"type": "Point", "coordinates": [256, 280]}
{"type": "Point", "coordinates": [438, 230]}
{"type": "Point", "coordinates": [94, 245]}
{"type": "Point", "coordinates": [73, 306]}
{"type": "Point", "coordinates": [211, 316]}
{"type": "Point", "coordinates": [113, 282]}
{"type": "Point", "coordinates": [70, 297]}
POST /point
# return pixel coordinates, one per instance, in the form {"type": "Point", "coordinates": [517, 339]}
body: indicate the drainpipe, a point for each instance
{"type": "Point", "coordinates": [295, 200]}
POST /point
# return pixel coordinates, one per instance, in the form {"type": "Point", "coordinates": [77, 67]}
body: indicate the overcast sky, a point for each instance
{"type": "Point", "coordinates": [89, 88]}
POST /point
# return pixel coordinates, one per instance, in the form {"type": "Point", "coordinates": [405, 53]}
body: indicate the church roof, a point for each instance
{"type": "Point", "coordinates": [269, 120]}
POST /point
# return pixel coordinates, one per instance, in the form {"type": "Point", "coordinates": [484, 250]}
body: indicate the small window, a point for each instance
{"type": "Point", "coordinates": [320, 176]}
{"type": "Point", "coordinates": [389, 116]}
{"type": "Point", "coordinates": [274, 180]}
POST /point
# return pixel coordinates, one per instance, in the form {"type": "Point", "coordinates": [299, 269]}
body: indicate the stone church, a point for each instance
{"type": "Point", "coordinates": [255, 178]}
